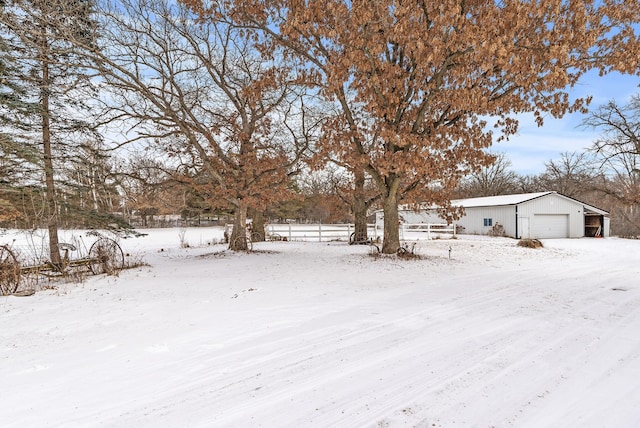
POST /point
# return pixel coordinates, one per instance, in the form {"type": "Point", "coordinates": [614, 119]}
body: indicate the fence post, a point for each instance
{"type": "Point", "coordinates": [319, 232]}
{"type": "Point", "coordinates": [289, 224]}
{"type": "Point", "coordinates": [429, 231]}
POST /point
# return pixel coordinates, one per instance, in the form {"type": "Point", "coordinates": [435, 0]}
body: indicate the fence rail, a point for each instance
{"type": "Point", "coordinates": [319, 232]}
{"type": "Point", "coordinates": [428, 228]}
{"type": "Point", "coordinates": [342, 232]}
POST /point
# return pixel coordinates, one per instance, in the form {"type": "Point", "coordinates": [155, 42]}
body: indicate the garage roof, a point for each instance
{"type": "Point", "coordinates": [501, 200]}
{"type": "Point", "coordinates": [493, 201]}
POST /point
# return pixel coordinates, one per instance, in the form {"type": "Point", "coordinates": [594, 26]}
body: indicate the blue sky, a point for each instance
{"type": "Point", "coordinates": [533, 146]}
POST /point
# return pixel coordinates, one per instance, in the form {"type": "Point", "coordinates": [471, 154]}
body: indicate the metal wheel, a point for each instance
{"type": "Point", "coordinates": [359, 241]}
{"type": "Point", "coordinates": [406, 250]}
{"type": "Point", "coordinates": [9, 271]}
{"type": "Point", "coordinates": [105, 256]}
{"type": "Point", "coordinates": [238, 245]}
{"type": "Point", "coordinates": [257, 237]}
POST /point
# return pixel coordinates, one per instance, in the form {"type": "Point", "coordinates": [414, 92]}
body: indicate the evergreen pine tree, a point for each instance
{"type": "Point", "coordinates": [55, 85]}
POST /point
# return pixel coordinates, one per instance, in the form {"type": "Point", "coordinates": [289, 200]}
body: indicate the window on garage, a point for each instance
{"type": "Point", "coordinates": [488, 222]}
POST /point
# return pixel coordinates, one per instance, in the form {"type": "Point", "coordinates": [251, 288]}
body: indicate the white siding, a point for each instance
{"type": "Point", "coordinates": [473, 220]}
{"type": "Point", "coordinates": [416, 217]}
{"type": "Point", "coordinates": [524, 228]}
{"type": "Point", "coordinates": [554, 204]}
{"type": "Point", "coordinates": [411, 217]}
{"type": "Point", "coordinates": [546, 215]}
{"type": "Point", "coordinates": [530, 213]}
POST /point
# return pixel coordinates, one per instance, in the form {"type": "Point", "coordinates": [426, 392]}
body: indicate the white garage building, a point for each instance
{"type": "Point", "coordinates": [527, 215]}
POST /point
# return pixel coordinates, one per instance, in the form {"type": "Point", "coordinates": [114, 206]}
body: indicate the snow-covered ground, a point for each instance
{"type": "Point", "coordinates": [302, 334]}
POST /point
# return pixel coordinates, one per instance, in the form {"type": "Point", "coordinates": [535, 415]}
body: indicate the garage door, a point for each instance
{"type": "Point", "coordinates": [550, 226]}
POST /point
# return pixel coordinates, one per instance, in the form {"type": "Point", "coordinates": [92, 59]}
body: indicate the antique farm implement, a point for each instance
{"type": "Point", "coordinates": [104, 256]}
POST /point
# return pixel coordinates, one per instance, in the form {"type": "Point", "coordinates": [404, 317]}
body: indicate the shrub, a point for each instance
{"type": "Point", "coordinates": [530, 243]}
{"type": "Point", "coordinates": [497, 230]}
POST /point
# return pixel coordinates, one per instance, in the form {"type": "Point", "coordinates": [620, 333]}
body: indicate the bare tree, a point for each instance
{"type": "Point", "coordinates": [145, 185]}
{"type": "Point", "coordinates": [494, 179]}
{"type": "Point", "coordinates": [326, 196]}
{"type": "Point", "coordinates": [618, 153]}
{"type": "Point", "coordinates": [574, 175]}
{"type": "Point", "coordinates": [201, 93]}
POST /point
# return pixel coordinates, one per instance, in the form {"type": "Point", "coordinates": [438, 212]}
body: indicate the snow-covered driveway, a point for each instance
{"type": "Point", "coordinates": [325, 335]}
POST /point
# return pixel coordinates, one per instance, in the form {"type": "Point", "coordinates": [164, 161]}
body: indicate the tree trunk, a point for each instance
{"type": "Point", "coordinates": [359, 208]}
{"type": "Point", "coordinates": [94, 192]}
{"type": "Point", "coordinates": [238, 240]}
{"type": "Point", "coordinates": [391, 236]}
{"type": "Point", "coordinates": [257, 227]}
{"type": "Point", "coordinates": [52, 220]}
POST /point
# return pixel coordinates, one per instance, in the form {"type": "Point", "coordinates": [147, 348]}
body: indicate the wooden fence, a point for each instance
{"type": "Point", "coordinates": [407, 230]}
{"type": "Point", "coordinates": [342, 232]}
{"type": "Point", "coordinates": [312, 232]}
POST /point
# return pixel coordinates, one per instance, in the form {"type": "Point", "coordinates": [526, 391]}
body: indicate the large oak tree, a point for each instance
{"type": "Point", "coordinates": [417, 81]}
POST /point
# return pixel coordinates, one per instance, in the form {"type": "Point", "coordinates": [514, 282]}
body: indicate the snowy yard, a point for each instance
{"type": "Point", "coordinates": [323, 334]}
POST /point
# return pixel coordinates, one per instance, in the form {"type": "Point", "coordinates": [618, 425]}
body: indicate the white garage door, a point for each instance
{"type": "Point", "coordinates": [550, 226]}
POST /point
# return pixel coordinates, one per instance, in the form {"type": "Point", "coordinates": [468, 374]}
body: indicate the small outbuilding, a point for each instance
{"type": "Point", "coordinates": [526, 215]}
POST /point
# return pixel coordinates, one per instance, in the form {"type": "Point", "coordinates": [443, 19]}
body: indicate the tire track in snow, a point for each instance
{"type": "Point", "coordinates": [349, 359]}
{"type": "Point", "coordinates": [357, 343]}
